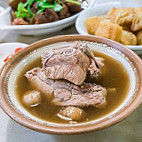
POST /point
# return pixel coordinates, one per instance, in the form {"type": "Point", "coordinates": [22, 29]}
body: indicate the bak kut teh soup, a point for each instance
{"type": "Point", "coordinates": [72, 84]}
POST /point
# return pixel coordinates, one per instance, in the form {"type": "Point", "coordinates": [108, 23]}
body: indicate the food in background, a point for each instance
{"type": "Point", "coordinates": [128, 38]}
{"type": "Point", "coordinates": [43, 11]}
{"type": "Point", "coordinates": [109, 30]}
{"type": "Point", "coordinates": [122, 16]}
{"type": "Point", "coordinates": [122, 25]}
{"type": "Point", "coordinates": [92, 24]}
{"type": "Point", "coordinates": [14, 3]}
{"type": "Point", "coordinates": [11, 55]}
{"type": "Point", "coordinates": [139, 37]}
{"type": "Point", "coordinates": [137, 22]}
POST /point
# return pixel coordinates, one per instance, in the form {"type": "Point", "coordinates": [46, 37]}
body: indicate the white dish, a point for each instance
{"type": "Point", "coordinates": [5, 9]}
{"type": "Point", "coordinates": [99, 10]}
{"type": "Point", "coordinates": [1, 9]}
{"type": "Point", "coordinates": [7, 49]}
{"type": "Point", "coordinates": [40, 29]}
{"type": "Point", "coordinates": [4, 16]}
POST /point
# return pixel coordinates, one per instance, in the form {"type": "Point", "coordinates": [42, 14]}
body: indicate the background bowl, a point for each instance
{"type": "Point", "coordinates": [9, 103]}
{"type": "Point", "coordinates": [4, 16]}
{"type": "Point", "coordinates": [39, 29]}
{"type": "Point", "coordinates": [99, 10]}
{"type": "Point", "coordinates": [4, 4]}
{"type": "Point", "coordinates": [9, 48]}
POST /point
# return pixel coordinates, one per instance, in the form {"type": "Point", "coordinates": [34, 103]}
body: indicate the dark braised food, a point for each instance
{"type": "Point", "coordinates": [71, 85]}
{"type": "Point", "coordinates": [43, 11]}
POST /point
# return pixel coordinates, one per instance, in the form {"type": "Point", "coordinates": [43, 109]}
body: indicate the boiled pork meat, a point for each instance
{"type": "Point", "coordinates": [64, 93]}
{"type": "Point", "coordinates": [71, 63]}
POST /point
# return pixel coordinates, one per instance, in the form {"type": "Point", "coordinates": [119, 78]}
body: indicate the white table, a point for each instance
{"type": "Point", "coordinates": [129, 130]}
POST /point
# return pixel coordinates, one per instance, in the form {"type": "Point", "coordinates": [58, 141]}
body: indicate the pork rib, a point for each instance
{"type": "Point", "coordinates": [64, 93]}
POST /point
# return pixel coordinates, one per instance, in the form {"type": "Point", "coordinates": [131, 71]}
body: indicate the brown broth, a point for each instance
{"type": "Point", "coordinates": [113, 76]}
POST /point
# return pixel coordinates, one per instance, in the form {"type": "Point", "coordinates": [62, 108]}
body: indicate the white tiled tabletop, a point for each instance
{"type": "Point", "coordinates": [129, 130]}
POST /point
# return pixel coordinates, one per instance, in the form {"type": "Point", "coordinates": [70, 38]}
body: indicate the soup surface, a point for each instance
{"type": "Point", "coordinates": [113, 77]}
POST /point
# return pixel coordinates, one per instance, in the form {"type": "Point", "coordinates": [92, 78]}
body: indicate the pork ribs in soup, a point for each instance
{"type": "Point", "coordinates": [72, 84]}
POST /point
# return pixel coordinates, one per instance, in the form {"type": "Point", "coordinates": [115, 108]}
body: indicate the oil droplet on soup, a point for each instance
{"type": "Point", "coordinates": [113, 77]}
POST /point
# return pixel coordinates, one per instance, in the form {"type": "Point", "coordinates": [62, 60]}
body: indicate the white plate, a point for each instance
{"type": "Point", "coordinates": [7, 49]}
{"type": "Point", "coordinates": [1, 9]}
{"type": "Point", "coordinates": [40, 29]}
{"type": "Point", "coordinates": [99, 10]}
